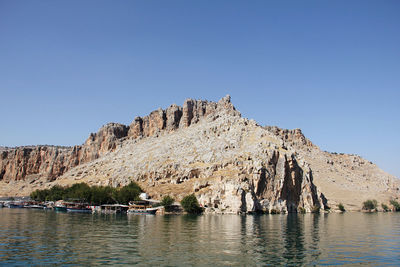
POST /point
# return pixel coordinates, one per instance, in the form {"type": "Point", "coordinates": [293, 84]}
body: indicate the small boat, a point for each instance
{"type": "Point", "coordinates": [59, 205]}
{"type": "Point", "coordinates": [141, 207]}
{"type": "Point", "coordinates": [48, 205]}
{"type": "Point", "coordinates": [16, 205]}
{"type": "Point", "coordinates": [78, 207]}
{"type": "Point", "coordinates": [33, 205]}
{"type": "Point", "coordinates": [36, 207]}
{"type": "Point", "coordinates": [60, 208]}
{"type": "Point", "coordinates": [114, 208]}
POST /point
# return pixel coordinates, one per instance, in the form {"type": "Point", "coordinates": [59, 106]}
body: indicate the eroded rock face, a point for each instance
{"type": "Point", "coordinates": [20, 163]}
{"type": "Point", "coordinates": [52, 161]}
{"type": "Point", "coordinates": [31, 163]}
{"type": "Point", "coordinates": [105, 140]}
{"type": "Point", "coordinates": [278, 184]}
{"type": "Point", "coordinates": [175, 117]}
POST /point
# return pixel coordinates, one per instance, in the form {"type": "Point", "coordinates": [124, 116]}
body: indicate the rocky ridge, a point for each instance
{"type": "Point", "coordinates": [230, 163]}
{"type": "Point", "coordinates": [31, 162]}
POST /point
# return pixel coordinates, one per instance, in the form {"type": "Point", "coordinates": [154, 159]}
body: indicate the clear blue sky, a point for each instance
{"type": "Point", "coordinates": [331, 68]}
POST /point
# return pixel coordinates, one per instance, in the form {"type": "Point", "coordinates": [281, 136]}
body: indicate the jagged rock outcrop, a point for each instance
{"type": "Point", "coordinates": [231, 163]}
{"type": "Point", "coordinates": [175, 117]}
{"type": "Point", "coordinates": [105, 140]}
{"type": "Point", "coordinates": [294, 137]}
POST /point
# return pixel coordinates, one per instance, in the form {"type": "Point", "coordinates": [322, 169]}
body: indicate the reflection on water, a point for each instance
{"type": "Point", "coordinates": [45, 237]}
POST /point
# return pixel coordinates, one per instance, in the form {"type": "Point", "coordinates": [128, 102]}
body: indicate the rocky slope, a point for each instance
{"type": "Point", "coordinates": [230, 163]}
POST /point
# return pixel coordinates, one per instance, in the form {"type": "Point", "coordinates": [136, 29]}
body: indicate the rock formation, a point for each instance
{"type": "Point", "coordinates": [231, 163]}
{"type": "Point", "coordinates": [31, 162]}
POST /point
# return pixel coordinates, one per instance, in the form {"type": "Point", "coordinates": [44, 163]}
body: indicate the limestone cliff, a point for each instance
{"type": "Point", "coordinates": [231, 163]}
{"type": "Point", "coordinates": [33, 162]}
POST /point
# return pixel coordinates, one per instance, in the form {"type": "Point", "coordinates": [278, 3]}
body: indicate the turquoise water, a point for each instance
{"type": "Point", "coordinates": [35, 237]}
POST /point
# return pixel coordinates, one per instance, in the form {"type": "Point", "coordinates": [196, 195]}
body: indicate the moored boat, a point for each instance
{"type": "Point", "coordinates": [78, 207]}
{"type": "Point", "coordinates": [16, 205]}
{"type": "Point", "coordinates": [36, 206]}
{"type": "Point", "coordinates": [60, 208]}
{"type": "Point", "coordinates": [141, 207]}
{"type": "Point", "coordinates": [114, 208]}
{"type": "Point", "coordinates": [60, 205]}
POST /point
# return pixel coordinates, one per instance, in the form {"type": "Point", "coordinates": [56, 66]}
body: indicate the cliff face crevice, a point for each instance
{"type": "Point", "coordinates": [291, 189]}
{"type": "Point", "coordinates": [262, 183]}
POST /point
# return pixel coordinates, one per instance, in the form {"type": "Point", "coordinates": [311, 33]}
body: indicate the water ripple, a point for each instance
{"type": "Point", "coordinates": [30, 237]}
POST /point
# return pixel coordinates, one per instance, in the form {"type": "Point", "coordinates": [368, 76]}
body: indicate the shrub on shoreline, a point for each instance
{"type": "Point", "coordinates": [191, 205]}
{"type": "Point", "coordinates": [370, 204]}
{"type": "Point", "coordinates": [385, 207]}
{"type": "Point", "coordinates": [167, 201]}
{"type": "Point", "coordinates": [395, 205]}
{"type": "Point", "coordinates": [341, 207]}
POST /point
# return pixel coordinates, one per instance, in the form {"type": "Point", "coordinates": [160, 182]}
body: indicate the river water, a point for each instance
{"type": "Point", "coordinates": [35, 237]}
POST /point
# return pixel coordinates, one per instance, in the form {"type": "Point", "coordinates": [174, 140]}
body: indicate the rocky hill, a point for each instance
{"type": "Point", "coordinates": [231, 163]}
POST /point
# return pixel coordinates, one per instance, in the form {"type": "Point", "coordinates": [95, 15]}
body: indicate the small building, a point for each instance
{"type": "Point", "coordinates": [143, 196]}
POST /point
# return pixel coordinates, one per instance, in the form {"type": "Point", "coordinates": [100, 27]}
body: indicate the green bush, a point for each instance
{"type": "Point", "coordinates": [341, 207]}
{"type": "Point", "coordinates": [385, 207]}
{"type": "Point", "coordinates": [395, 205]}
{"type": "Point", "coordinates": [370, 204]}
{"type": "Point", "coordinates": [167, 201]}
{"type": "Point", "coordinates": [191, 205]}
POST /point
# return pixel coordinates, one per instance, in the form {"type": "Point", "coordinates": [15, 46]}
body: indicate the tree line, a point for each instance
{"type": "Point", "coordinates": [96, 195]}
